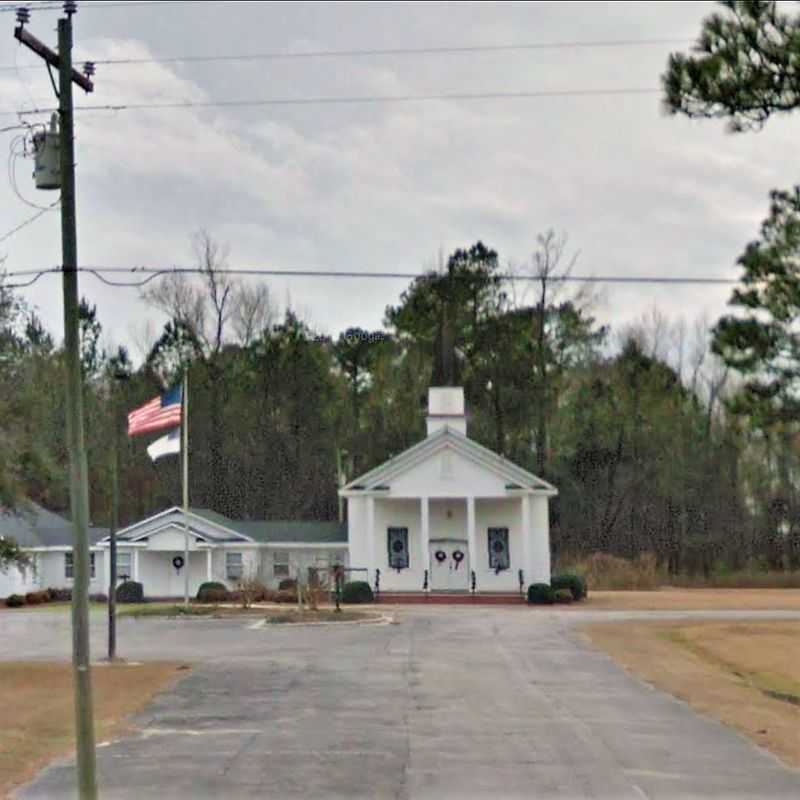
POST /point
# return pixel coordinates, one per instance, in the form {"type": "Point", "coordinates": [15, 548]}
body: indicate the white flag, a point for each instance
{"type": "Point", "coordinates": [165, 446]}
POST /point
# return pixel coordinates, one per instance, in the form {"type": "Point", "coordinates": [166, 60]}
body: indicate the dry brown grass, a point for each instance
{"type": "Point", "coordinates": [36, 701]}
{"type": "Point", "coordinates": [725, 670]}
{"type": "Point", "coordinates": [694, 599]}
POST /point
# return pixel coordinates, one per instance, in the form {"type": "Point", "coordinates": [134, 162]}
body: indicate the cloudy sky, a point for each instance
{"type": "Point", "coordinates": [388, 186]}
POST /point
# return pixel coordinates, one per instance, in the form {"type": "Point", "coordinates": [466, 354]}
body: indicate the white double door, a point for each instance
{"type": "Point", "coordinates": [449, 565]}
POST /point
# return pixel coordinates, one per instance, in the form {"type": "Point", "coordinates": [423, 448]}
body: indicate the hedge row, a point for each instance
{"type": "Point", "coordinates": [561, 589]}
{"type": "Point", "coordinates": [48, 596]}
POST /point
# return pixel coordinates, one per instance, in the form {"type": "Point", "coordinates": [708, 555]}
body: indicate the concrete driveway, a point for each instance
{"type": "Point", "coordinates": [452, 702]}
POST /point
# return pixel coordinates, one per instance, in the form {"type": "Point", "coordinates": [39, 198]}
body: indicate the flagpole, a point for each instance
{"type": "Point", "coordinates": [185, 453]}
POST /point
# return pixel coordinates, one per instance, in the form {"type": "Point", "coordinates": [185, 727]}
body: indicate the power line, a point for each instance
{"type": "Point", "coordinates": [367, 99]}
{"type": "Point", "coordinates": [153, 273]}
{"type": "Point", "coordinates": [395, 51]}
{"type": "Point", "coordinates": [28, 221]}
{"type": "Point", "coordinates": [8, 8]}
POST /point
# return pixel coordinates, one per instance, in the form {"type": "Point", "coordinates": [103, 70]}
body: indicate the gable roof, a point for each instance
{"type": "Point", "coordinates": [514, 476]}
{"type": "Point", "coordinates": [32, 525]}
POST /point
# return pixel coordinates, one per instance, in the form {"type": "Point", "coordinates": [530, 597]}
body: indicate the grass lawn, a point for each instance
{"type": "Point", "coordinates": [745, 674]}
{"type": "Point", "coordinates": [669, 599]}
{"type": "Point", "coordinates": [37, 703]}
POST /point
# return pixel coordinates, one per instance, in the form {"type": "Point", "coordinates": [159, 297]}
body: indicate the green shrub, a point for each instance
{"type": "Point", "coordinates": [575, 583]}
{"type": "Point", "coordinates": [357, 592]}
{"type": "Point", "coordinates": [15, 601]}
{"type": "Point", "coordinates": [563, 596]}
{"type": "Point", "coordinates": [540, 594]}
{"type": "Point", "coordinates": [287, 584]}
{"type": "Point", "coordinates": [285, 596]}
{"type": "Point", "coordinates": [98, 597]}
{"type": "Point", "coordinates": [60, 595]}
{"type": "Point", "coordinates": [130, 592]}
{"type": "Point", "coordinates": [212, 592]}
{"type": "Point", "coordinates": [36, 598]}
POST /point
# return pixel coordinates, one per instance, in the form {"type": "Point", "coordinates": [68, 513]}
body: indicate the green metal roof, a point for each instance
{"type": "Point", "coordinates": [294, 531]}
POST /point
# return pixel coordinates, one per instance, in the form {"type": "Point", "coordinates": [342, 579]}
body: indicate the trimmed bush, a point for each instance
{"type": "Point", "coordinates": [60, 595]}
{"type": "Point", "coordinates": [357, 592]}
{"type": "Point", "coordinates": [575, 583]}
{"type": "Point", "coordinates": [563, 596]}
{"type": "Point", "coordinates": [15, 601]}
{"type": "Point", "coordinates": [98, 597]}
{"type": "Point", "coordinates": [130, 592]}
{"type": "Point", "coordinates": [212, 592]}
{"type": "Point", "coordinates": [36, 598]}
{"type": "Point", "coordinates": [285, 596]}
{"type": "Point", "coordinates": [287, 584]}
{"type": "Point", "coordinates": [540, 594]}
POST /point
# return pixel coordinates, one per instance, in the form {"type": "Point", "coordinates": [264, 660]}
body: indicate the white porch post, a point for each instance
{"type": "Point", "coordinates": [135, 565]}
{"type": "Point", "coordinates": [527, 544]}
{"type": "Point", "coordinates": [371, 534]}
{"type": "Point", "coordinates": [208, 564]}
{"type": "Point", "coordinates": [472, 543]}
{"type": "Point", "coordinates": [425, 535]}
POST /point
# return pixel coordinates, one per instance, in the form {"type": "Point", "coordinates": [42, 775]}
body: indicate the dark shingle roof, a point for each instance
{"type": "Point", "coordinates": [301, 532]}
{"type": "Point", "coordinates": [31, 525]}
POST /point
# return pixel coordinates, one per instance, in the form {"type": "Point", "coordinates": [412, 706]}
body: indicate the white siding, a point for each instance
{"type": "Point", "coordinates": [398, 514]}
{"type": "Point", "coordinates": [51, 573]}
{"type": "Point", "coordinates": [501, 513]}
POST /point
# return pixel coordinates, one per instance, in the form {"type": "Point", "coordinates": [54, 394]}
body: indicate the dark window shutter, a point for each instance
{"type": "Point", "coordinates": [499, 556]}
{"type": "Point", "coordinates": [397, 541]}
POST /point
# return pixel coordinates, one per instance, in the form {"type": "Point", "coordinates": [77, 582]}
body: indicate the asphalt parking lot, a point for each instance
{"type": "Point", "coordinates": [451, 702]}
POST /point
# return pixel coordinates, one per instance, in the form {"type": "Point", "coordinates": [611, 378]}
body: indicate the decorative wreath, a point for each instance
{"type": "Point", "coordinates": [440, 556]}
{"type": "Point", "coordinates": [458, 557]}
{"type": "Point", "coordinates": [498, 546]}
{"type": "Point", "coordinates": [397, 546]}
{"type": "Point", "coordinates": [178, 562]}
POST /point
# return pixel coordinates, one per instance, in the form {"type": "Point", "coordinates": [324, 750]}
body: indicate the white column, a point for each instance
{"type": "Point", "coordinates": [472, 542]}
{"type": "Point", "coordinates": [527, 544]}
{"type": "Point", "coordinates": [425, 534]}
{"type": "Point", "coordinates": [208, 564]}
{"type": "Point", "coordinates": [371, 535]}
{"type": "Point", "coordinates": [135, 565]}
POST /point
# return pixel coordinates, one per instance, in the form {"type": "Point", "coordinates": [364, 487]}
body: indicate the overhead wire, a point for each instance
{"type": "Point", "coordinates": [43, 210]}
{"type": "Point", "coordinates": [382, 52]}
{"type": "Point", "coordinates": [355, 100]}
{"type": "Point", "coordinates": [152, 273]}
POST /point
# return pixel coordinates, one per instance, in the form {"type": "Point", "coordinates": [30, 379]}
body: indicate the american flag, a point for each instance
{"type": "Point", "coordinates": [161, 412]}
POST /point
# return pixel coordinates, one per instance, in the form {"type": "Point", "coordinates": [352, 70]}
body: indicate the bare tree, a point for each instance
{"type": "Point", "coordinates": [252, 312]}
{"type": "Point", "coordinates": [549, 266]}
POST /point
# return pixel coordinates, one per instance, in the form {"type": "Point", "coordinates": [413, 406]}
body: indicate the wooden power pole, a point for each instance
{"type": "Point", "coordinates": [78, 471]}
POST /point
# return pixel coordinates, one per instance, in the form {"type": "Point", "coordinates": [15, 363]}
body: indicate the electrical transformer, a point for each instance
{"type": "Point", "coordinates": [47, 157]}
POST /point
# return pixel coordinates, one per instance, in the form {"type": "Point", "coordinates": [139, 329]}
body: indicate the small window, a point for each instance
{"type": "Point", "coordinates": [69, 566]}
{"type": "Point", "coordinates": [280, 564]}
{"type": "Point", "coordinates": [233, 566]}
{"type": "Point", "coordinates": [339, 557]}
{"type": "Point", "coordinates": [499, 558]}
{"type": "Point", "coordinates": [398, 548]}
{"type": "Point", "coordinates": [124, 567]}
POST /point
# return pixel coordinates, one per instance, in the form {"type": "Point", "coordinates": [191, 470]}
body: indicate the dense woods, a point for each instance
{"type": "Point", "coordinates": [649, 436]}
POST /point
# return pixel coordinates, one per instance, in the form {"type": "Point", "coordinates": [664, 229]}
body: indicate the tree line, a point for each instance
{"type": "Point", "coordinates": [644, 430]}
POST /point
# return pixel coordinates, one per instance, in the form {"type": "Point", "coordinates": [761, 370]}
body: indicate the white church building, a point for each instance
{"type": "Point", "coordinates": [449, 515]}
{"type": "Point", "coordinates": [445, 516]}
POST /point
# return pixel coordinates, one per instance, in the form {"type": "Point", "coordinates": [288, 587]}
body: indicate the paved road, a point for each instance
{"type": "Point", "coordinates": [450, 703]}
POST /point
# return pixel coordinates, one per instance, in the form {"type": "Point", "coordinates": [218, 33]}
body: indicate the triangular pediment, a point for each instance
{"type": "Point", "coordinates": [448, 458]}
{"type": "Point", "coordinates": [201, 529]}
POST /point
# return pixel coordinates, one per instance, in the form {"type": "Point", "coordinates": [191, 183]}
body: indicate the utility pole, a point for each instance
{"type": "Point", "coordinates": [78, 471]}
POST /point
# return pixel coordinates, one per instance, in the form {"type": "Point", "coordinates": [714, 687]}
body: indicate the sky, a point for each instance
{"type": "Point", "coordinates": [387, 186]}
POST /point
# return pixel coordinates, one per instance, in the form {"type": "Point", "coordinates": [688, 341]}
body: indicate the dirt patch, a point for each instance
{"type": "Point", "coordinates": [695, 600]}
{"type": "Point", "coordinates": [746, 675]}
{"type": "Point", "coordinates": [37, 702]}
